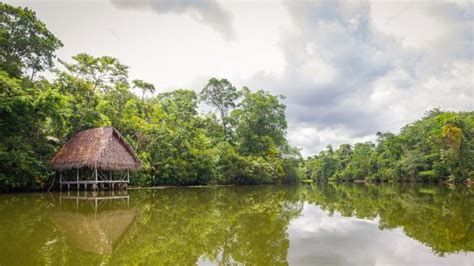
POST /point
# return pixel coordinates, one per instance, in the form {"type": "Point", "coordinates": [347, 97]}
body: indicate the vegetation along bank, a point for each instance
{"type": "Point", "coordinates": [242, 141]}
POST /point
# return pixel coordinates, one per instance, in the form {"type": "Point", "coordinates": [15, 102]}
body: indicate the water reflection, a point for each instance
{"type": "Point", "coordinates": [94, 222]}
{"type": "Point", "coordinates": [441, 218]}
{"type": "Point", "coordinates": [261, 225]}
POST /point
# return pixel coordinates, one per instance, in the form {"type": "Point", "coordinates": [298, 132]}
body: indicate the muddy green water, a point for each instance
{"type": "Point", "coordinates": [260, 225]}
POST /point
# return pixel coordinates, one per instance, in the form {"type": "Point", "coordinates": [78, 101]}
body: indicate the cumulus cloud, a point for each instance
{"type": "Point", "coordinates": [346, 77]}
{"type": "Point", "coordinates": [208, 12]}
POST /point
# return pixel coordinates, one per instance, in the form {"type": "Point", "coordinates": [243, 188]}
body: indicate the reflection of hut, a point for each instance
{"type": "Point", "coordinates": [95, 232]}
{"type": "Point", "coordinates": [95, 156]}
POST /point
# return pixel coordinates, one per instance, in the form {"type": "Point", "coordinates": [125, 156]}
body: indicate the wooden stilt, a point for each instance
{"type": "Point", "coordinates": [95, 178]}
{"type": "Point", "coordinates": [60, 181]}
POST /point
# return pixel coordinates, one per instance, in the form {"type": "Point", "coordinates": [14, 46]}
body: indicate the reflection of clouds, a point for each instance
{"type": "Point", "coordinates": [317, 238]}
{"type": "Point", "coordinates": [317, 220]}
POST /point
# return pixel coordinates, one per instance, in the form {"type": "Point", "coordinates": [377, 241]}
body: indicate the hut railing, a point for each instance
{"type": "Point", "coordinates": [93, 177]}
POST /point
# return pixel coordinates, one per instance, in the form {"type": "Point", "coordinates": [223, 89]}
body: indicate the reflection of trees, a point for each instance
{"type": "Point", "coordinates": [436, 216]}
{"type": "Point", "coordinates": [174, 226]}
{"type": "Point", "coordinates": [24, 228]}
{"type": "Point", "coordinates": [224, 225]}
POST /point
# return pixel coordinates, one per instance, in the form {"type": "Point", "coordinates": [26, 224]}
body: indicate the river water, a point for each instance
{"type": "Point", "coordinates": [346, 224]}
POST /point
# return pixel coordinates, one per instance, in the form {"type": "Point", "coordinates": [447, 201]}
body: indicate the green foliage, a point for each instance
{"type": "Point", "coordinates": [260, 124]}
{"type": "Point", "coordinates": [177, 144]}
{"type": "Point", "coordinates": [220, 94]}
{"type": "Point", "coordinates": [143, 86]}
{"type": "Point", "coordinates": [26, 45]}
{"type": "Point", "coordinates": [438, 147]}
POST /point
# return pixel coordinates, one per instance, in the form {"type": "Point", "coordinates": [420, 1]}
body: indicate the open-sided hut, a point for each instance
{"type": "Point", "coordinates": [95, 156]}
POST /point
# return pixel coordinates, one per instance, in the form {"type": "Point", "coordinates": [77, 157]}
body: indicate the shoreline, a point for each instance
{"type": "Point", "coordinates": [301, 183]}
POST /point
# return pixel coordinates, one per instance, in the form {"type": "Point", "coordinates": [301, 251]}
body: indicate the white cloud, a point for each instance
{"type": "Point", "coordinates": [357, 68]}
{"type": "Point", "coordinates": [206, 11]}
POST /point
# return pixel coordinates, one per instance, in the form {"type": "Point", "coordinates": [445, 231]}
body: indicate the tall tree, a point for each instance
{"type": "Point", "coordinates": [143, 86]}
{"type": "Point", "coordinates": [260, 123]}
{"type": "Point", "coordinates": [26, 45]}
{"type": "Point", "coordinates": [103, 73]}
{"type": "Point", "coordinates": [26, 105]}
{"type": "Point", "coordinates": [220, 94]}
{"type": "Point", "coordinates": [87, 78]}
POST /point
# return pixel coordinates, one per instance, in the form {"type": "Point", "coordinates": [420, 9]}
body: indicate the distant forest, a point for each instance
{"type": "Point", "coordinates": [242, 141]}
{"type": "Point", "coordinates": [438, 147]}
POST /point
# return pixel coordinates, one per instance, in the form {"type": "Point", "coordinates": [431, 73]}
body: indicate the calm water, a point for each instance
{"type": "Point", "coordinates": [260, 225]}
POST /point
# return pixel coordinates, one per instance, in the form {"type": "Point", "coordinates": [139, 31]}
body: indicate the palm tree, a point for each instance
{"type": "Point", "coordinates": [143, 86]}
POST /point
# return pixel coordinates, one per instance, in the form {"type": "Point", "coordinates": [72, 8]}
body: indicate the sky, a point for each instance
{"type": "Point", "coordinates": [347, 69]}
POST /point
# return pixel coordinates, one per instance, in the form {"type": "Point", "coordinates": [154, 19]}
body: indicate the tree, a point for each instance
{"type": "Point", "coordinates": [87, 79]}
{"type": "Point", "coordinates": [260, 123]}
{"type": "Point", "coordinates": [144, 87]}
{"type": "Point", "coordinates": [220, 94]}
{"type": "Point", "coordinates": [103, 73]}
{"type": "Point", "coordinates": [436, 147]}
{"type": "Point", "coordinates": [26, 105]}
{"type": "Point", "coordinates": [177, 145]}
{"type": "Point", "coordinates": [26, 45]}
{"type": "Point", "coordinates": [453, 139]}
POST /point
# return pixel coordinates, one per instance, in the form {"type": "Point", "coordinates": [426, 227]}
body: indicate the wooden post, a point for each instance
{"type": "Point", "coordinates": [77, 178]}
{"type": "Point", "coordinates": [60, 181]}
{"type": "Point", "coordinates": [95, 177]}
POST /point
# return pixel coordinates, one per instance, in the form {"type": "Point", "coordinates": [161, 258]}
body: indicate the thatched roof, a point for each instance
{"type": "Point", "coordinates": [96, 232]}
{"type": "Point", "coordinates": [101, 147]}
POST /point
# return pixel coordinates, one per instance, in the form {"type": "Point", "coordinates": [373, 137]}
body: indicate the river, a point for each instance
{"type": "Point", "coordinates": [346, 224]}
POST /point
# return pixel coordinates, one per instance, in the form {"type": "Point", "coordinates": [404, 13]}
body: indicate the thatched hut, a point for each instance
{"type": "Point", "coordinates": [95, 156]}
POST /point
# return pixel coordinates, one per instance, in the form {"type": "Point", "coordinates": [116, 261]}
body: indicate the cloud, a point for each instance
{"type": "Point", "coordinates": [347, 77]}
{"type": "Point", "coordinates": [208, 12]}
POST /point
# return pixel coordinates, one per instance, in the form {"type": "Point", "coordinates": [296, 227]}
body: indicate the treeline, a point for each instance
{"type": "Point", "coordinates": [242, 142]}
{"type": "Point", "coordinates": [438, 147]}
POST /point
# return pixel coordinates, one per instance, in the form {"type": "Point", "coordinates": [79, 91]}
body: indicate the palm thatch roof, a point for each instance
{"type": "Point", "coordinates": [99, 233]}
{"type": "Point", "coordinates": [102, 148]}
